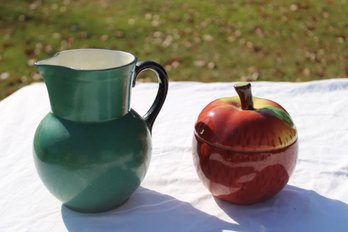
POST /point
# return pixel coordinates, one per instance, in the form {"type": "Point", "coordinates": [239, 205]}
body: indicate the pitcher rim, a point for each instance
{"type": "Point", "coordinates": [41, 62]}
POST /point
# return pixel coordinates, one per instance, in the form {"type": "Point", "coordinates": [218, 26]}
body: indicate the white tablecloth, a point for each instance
{"type": "Point", "coordinates": [172, 198]}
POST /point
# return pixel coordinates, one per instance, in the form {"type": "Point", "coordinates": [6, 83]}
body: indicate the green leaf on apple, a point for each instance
{"type": "Point", "coordinates": [279, 113]}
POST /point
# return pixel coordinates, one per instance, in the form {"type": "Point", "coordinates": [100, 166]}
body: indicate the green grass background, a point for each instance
{"type": "Point", "coordinates": [196, 40]}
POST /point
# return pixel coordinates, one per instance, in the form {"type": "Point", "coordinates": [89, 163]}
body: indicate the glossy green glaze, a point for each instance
{"type": "Point", "coordinates": [92, 151]}
{"type": "Point", "coordinates": [88, 95]}
{"type": "Point", "coordinates": [92, 167]}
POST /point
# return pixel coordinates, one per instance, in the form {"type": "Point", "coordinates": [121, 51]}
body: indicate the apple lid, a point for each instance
{"type": "Point", "coordinates": [245, 123]}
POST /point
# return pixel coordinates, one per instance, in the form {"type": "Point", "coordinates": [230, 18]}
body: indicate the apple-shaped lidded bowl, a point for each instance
{"type": "Point", "coordinates": [244, 147]}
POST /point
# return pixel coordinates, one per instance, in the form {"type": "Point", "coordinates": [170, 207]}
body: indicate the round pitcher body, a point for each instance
{"type": "Point", "coordinates": [92, 167]}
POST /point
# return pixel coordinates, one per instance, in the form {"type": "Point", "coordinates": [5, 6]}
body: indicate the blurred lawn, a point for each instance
{"type": "Point", "coordinates": [215, 40]}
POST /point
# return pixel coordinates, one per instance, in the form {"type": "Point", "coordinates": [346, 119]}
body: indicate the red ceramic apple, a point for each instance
{"type": "Point", "coordinates": [244, 148]}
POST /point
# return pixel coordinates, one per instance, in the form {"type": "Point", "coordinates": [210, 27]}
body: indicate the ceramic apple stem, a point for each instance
{"type": "Point", "coordinates": [244, 92]}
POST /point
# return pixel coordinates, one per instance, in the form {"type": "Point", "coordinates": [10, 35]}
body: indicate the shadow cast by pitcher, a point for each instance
{"type": "Point", "coordinates": [146, 210]}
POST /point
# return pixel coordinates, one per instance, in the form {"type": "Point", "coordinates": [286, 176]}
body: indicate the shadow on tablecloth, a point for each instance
{"type": "Point", "coordinates": [293, 209]}
{"type": "Point", "coordinates": [146, 210]}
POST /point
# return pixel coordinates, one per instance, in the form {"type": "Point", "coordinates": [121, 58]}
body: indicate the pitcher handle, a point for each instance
{"type": "Point", "coordinates": [162, 76]}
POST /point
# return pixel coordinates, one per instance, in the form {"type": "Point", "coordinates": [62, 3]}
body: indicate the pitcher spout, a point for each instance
{"type": "Point", "coordinates": [89, 59]}
{"type": "Point", "coordinates": [89, 85]}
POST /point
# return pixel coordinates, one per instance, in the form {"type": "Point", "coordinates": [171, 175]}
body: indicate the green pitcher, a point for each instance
{"type": "Point", "coordinates": [92, 151]}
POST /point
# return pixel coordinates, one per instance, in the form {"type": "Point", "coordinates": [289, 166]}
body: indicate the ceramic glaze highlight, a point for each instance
{"type": "Point", "coordinates": [244, 148]}
{"type": "Point", "coordinates": [92, 151]}
{"type": "Point", "coordinates": [243, 177]}
{"type": "Point", "coordinates": [80, 92]}
{"type": "Point", "coordinates": [248, 130]}
{"type": "Point", "coordinates": [92, 166]}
